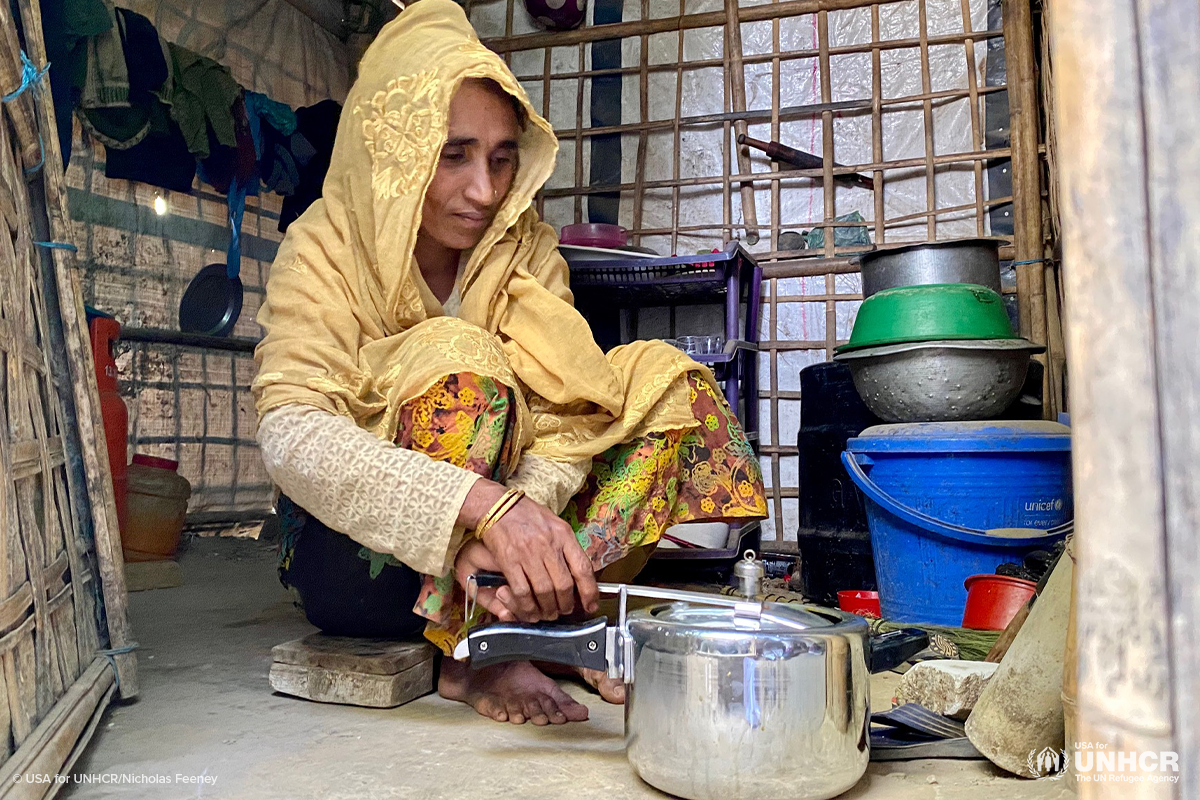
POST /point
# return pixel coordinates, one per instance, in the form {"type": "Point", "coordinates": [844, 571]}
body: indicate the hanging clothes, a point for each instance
{"type": "Point", "coordinates": [65, 25]}
{"type": "Point", "coordinates": [226, 164]}
{"type": "Point", "coordinates": [273, 127]}
{"type": "Point", "coordinates": [203, 99]}
{"type": "Point", "coordinates": [318, 125]}
{"type": "Point", "coordinates": [161, 158]}
{"type": "Point", "coordinates": [105, 108]}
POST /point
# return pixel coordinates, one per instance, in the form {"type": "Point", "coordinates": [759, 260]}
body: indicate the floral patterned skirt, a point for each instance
{"type": "Point", "coordinates": [633, 493]}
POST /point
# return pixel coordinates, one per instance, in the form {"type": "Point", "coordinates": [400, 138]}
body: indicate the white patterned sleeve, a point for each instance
{"type": "Point", "coordinates": [551, 483]}
{"type": "Point", "coordinates": [388, 498]}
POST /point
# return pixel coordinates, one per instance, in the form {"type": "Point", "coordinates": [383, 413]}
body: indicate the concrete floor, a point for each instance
{"type": "Point", "coordinates": [206, 709]}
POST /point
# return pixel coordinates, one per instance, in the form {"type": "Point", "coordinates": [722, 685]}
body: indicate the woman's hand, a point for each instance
{"type": "Point", "coordinates": [474, 557]}
{"type": "Point", "coordinates": [538, 554]}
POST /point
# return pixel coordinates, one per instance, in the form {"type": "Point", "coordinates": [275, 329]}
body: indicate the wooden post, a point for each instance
{"type": "Point", "coordinates": [1024, 119]}
{"type": "Point", "coordinates": [1127, 102]}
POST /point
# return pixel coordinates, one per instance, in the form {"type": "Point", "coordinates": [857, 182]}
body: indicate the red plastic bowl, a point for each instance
{"type": "Point", "coordinates": [594, 234]}
{"type": "Point", "coordinates": [993, 600]}
{"type": "Point", "coordinates": [865, 604]}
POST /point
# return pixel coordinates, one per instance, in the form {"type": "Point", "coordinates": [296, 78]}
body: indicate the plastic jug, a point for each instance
{"type": "Point", "coordinates": [158, 498]}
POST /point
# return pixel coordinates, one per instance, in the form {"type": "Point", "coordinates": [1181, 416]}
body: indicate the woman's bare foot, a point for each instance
{"type": "Point", "coordinates": [513, 692]}
{"type": "Point", "coordinates": [612, 690]}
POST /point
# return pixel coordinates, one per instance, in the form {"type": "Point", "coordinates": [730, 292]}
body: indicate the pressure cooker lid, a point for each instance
{"type": "Point", "coordinates": [779, 617]}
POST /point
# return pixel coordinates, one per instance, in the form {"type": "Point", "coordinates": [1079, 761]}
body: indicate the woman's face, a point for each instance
{"type": "Point", "coordinates": [475, 169]}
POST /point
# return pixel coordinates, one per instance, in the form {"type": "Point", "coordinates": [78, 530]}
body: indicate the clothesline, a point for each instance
{"type": "Point", "coordinates": [166, 114]}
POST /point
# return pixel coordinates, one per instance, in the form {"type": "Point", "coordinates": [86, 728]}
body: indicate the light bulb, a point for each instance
{"type": "Point", "coordinates": [160, 205]}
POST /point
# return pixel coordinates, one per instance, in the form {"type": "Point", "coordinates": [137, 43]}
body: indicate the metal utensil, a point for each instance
{"type": "Point", "coordinates": [954, 261]}
{"type": "Point", "coordinates": [798, 158]}
{"type": "Point", "coordinates": [725, 698]}
{"type": "Point", "coordinates": [940, 380]}
{"type": "Point", "coordinates": [212, 302]}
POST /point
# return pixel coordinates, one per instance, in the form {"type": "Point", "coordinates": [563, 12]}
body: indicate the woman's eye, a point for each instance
{"type": "Point", "coordinates": [453, 156]}
{"type": "Point", "coordinates": [503, 162]}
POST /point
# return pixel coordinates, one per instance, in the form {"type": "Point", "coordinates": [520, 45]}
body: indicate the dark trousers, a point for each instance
{"type": "Point", "coordinates": [333, 579]}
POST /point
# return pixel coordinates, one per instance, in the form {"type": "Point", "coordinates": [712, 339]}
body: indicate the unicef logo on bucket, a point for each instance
{"type": "Point", "coordinates": [1047, 763]}
{"type": "Point", "coordinates": [1044, 505]}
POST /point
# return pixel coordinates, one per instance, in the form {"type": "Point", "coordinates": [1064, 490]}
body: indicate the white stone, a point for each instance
{"type": "Point", "coordinates": [946, 687]}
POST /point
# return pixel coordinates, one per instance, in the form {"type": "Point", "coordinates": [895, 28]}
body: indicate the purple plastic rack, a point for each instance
{"type": "Point", "coordinates": [725, 276]}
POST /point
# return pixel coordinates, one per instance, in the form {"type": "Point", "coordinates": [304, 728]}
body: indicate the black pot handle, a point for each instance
{"type": "Point", "coordinates": [891, 649]}
{"type": "Point", "coordinates": [576, 645]}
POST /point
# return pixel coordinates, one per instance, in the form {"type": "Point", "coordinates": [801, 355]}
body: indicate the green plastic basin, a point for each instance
{"type": "Point", "coordinates": [961, 311]}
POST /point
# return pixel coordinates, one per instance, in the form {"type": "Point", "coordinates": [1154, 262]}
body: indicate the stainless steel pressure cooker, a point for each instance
{"type": "Point", "coordinates": [726, 699]}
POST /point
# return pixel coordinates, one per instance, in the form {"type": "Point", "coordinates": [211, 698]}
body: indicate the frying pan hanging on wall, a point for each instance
{"type": "Point", "coordinates": [213, 300]}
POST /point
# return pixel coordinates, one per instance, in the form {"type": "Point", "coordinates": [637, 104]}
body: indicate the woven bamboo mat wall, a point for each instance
{"type": "Point", "coordinates": [136, 265]}
{"type": "Point", "coordinates": [49, 609]}
{"type": "Point", "coordinates": [911, 94]}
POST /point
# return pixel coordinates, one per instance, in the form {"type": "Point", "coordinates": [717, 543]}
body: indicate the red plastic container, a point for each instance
{"type": "Point", "coordinates": [865, 604]}
{"type": "Point", "coordinates": [993, 600]}
{"type": "Point", "coordinates": [104, 331]}
{"type": "Point", "coordinates": [594, 234]}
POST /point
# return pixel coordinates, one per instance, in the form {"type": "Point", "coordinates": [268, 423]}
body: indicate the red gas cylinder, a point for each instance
{"type": "Point", "coordinates": [104, 332]}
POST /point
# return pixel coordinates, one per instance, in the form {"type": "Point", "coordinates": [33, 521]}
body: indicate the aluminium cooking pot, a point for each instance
{"type": "Point", "coordinates": [921, 263]}
{"type": "Point", "coordinates": [726, 699]}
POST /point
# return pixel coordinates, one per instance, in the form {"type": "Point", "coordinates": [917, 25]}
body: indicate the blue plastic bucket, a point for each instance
{"type": "Point", "coordinates": [940, 496]}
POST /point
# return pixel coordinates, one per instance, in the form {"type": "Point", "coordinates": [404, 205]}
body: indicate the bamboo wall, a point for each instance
{"type": "Point", "coordinates": [62, 597]}
{"type": "Point", "coordinates": [912, 94]}
{"type": "Point", "coordinates": [48, 607]}
{"type": "Point", "coordinates": [191, 404]}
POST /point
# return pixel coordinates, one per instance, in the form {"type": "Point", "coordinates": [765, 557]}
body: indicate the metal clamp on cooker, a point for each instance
{"type": "Point", "coordinates": [726, 697]}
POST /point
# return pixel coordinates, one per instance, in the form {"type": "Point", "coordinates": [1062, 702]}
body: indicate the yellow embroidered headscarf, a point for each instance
{"type": "Point", "coordinates": [352, 327]}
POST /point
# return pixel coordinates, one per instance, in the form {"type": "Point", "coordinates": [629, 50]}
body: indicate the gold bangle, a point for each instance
{"type": "Point", "coordinates": [502, 506]}
{"type": "Point", "coordinates": [509, 499]}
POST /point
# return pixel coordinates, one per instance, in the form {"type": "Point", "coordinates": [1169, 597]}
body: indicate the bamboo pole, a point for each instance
{"type": "Point", "coordinates": [1006, 249]}
{"type": "Point", "coordinates": [927, 121]}
{"type": "Point", "coordinates": [735, 78]}
{"type": "Point", "coordinates": [877, 127]}
{"type": "Point", "coordinates": [1127, 105]}
{"type": "Point", "coordinates": [639, 194]}
{"type": "Point", "coordinates": [828, 187]}
{"type": "Point", "coordinates": [772, 306]}
{"type": "Point", "coordinates": [547, 64]}
{"type": "Point", "coordinates": [766, 177]}
{"type": "Point", "coordinates": [977, 142]}
{"type": "Point", "coordinates": [20, 110]}
{"type": "Point", "coordinates": [678, 149]}
{"type": "Point", "coordinates": [874, 46]}
{"type": "Point", "coordinates": [683, 22]}
{"type": "Point", "coordinates": [578, 139]}
{"type": "Point", "coordinates": [787, 113]}
{"type": "Point", "coordinates": [59, 737]}
{"type": "Point", "coordinates": [87, 399]}
{"type": "Point", "coordinates": [1026, 167]}
{"type": "Point", "coordinates": [1056, 356]}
